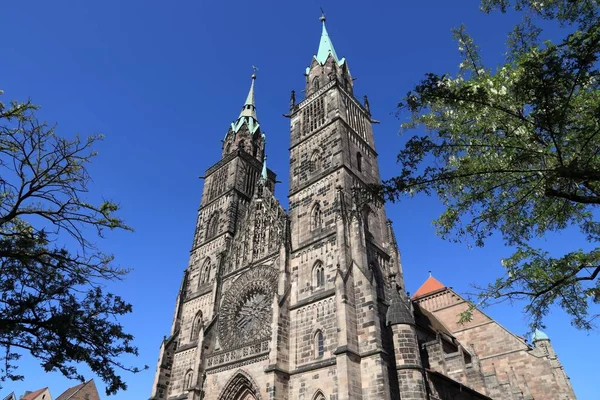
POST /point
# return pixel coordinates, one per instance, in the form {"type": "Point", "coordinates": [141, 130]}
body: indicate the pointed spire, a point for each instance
{"type": "Point", "coordinates": [249, 109]}
{"type": "Point", "coordinates": [539, 335]}
{"type": "Point", "coordinates": [399, 310]}
{"type": "Point", "coordinates": [263, 174]}
{"type": "Point", "coordinates": [326, 46]}
{"type": "Point", "coordinates": [248, 113]}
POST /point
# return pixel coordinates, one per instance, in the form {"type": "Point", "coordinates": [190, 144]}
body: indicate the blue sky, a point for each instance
{"type": "Point", "coordinates": [162, 81]}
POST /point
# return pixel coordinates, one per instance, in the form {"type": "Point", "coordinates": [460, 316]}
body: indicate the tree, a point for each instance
{"type": "Point", "coordinates": [52, 302]}
{"type": "Point", "coordinates": [516, 151]}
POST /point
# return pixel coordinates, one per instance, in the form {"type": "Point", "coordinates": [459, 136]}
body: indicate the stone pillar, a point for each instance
{"type": "Point", "coordinates": [409, 368]}
{"type": "Point", "coordinates": [408, 363]}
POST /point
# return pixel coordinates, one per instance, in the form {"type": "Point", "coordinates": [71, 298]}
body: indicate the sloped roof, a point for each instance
{"type": "Point", "coordinates": [459, 387]}
{"type": "Point", "coordinates": [33, 395]}
{"type": "Point", "coordinates": [429, 321]}
{"type": "Point", "coordinates": [431, 285]}
{"type": "Point", "coordinates": [71, 392]}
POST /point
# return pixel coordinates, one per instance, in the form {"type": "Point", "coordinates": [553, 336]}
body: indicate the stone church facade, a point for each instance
{"type": "Point", "coordinates": [310, 303]}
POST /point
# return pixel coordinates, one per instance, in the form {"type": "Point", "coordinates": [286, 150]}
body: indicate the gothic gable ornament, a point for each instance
{"type": "Point", "coordinates": [262, 231]}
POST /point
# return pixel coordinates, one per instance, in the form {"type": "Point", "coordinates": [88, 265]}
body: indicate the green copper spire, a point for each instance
{"type": "Point", "coordinates": [249, 109]}
{"type": "Point", "coordinates": [248, 113]}
{"type": "Point", "coordinates": [326, 46]}
{"type": "Point", "coordinates": [264, 169]}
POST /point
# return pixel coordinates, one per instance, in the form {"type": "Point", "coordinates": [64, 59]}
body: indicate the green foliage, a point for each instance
{"type": "Point", "coordinates": [52, 302]}
{"type": "Point", "coordinates": [516, 151]}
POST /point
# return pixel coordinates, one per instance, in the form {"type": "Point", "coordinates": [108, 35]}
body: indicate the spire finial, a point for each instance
{"type": "Point", "coordinates": [254, 68]}
{"type": "Point", "coordinates": [322, 18]}
{"type": "Point", "coordinates": [429, 272]}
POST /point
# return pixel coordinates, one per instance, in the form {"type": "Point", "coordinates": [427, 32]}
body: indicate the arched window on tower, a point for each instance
{"type": "Point", "coordinates": [319, 344]}
{"type": "Point", "coordinates": [318, 275]}
{"type": "Point", "coordinates": [315, 161]}
{"type": "Point", "coordinates": [196, 324]}
{"type": "Point", "coordinates": [315, 83]}
{"type": "Point", "coordinates": [359, 162]}
{"type": "Point", "coordinates": [187, 380]}
{"type": "Point", "coordinates": [213, 225]}
{"type": "Point", "coordinates": [316, 217]}
{"type": "Point", "coordinates": [228, 148]}
{"type": "Point", "coordinates": [205, 272]}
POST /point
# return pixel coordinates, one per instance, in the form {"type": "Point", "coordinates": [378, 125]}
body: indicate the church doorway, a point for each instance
{"type": "Point", "coordinates": [240, 387]}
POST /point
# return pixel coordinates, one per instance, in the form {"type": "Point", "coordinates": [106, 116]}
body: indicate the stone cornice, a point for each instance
{"type": "Point", "coordinates": [315, 297]}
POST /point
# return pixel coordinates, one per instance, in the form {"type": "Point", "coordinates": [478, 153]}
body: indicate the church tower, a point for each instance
{"type": "Point", "coordinates": [233, 188]}
{"type": "Point", "coordinates": [310, 303]}
{"type": "Point", "coordinates": [343, 251]}
{"type": "Point", "coordinates": [290, 305]}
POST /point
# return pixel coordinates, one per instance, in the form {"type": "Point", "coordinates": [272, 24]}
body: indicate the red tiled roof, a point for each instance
{"type": "Point", "coordinates": [431, 285]}
{"type": "Point", "coordinates": [33, 395]}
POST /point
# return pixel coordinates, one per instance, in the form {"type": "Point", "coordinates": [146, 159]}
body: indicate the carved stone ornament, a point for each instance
{"type": "Point", "coordinates": [247, 308]}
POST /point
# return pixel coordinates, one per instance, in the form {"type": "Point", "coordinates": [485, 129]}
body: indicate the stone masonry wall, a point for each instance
{"type": "Point", "coordinates": [510, 365]}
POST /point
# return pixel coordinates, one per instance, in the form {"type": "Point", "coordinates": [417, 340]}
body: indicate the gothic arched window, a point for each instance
{"type": "Point", "coordinates": [315, 161]}
{"type": "Point", "coordinates": [319, 344]}
{"type": "Point", "coordinates": [315, 83]}
{"type": "Point", "coordinates": [187, 380]}
{"type": "Point", "coordinates": [213, 225]}
{"type": "Point", "coordinates": [318, 396]}
{"type": "Point", "coordinates": [319, 274]}
{"type": "Point", "coordinates": [316, 217]}
{"type": "Point", "coordinates": [196, 324]}
{"type": "Point", "coordinates": [205, 272]}
{"type": "Point", "coordinates": [228, 148]}
{"type": "Point", "coordinates": [359, 162]}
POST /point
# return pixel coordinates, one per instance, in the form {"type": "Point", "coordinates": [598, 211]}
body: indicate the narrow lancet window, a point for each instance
{"type": "Point", "coordinates": [319, 344]}
{"type": "Point", "coordinates": [316, 217]}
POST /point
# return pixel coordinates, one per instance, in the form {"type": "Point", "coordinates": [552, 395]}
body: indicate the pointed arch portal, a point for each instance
{"type": "Point", "coordinates": [240, 387]}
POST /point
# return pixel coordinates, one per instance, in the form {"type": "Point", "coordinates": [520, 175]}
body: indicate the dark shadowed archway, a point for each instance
{"type": "Point", "coordinates": [240, 387]}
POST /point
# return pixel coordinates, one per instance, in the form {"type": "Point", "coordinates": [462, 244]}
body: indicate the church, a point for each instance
{"type": "Point", "coordinates": [309, 303]}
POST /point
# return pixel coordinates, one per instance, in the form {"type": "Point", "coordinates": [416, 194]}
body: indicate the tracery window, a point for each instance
{"type": "Point", "coordinates": [213, 225]}
{"type": "Point", "coordinates": [359, 162]}
{"type": "Point", "coordinates": [315, 161]}
{"type": "Point", "coordinates": [187, 380]}
{"type": "Point", "coordinates": [316, 217]}
{"type": "Point", "coordinates": [313, 115]}
{"type": "Point", "coordinates": [319, 344]}
{"type": "Point", "coordinates": [205, 272]}
{"type": "Point", "coordinates": [315, 83]}
{"type": "Point", "coordinates": [196, 324]}
{"type": "Point", "coordinates": [319, 274]}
